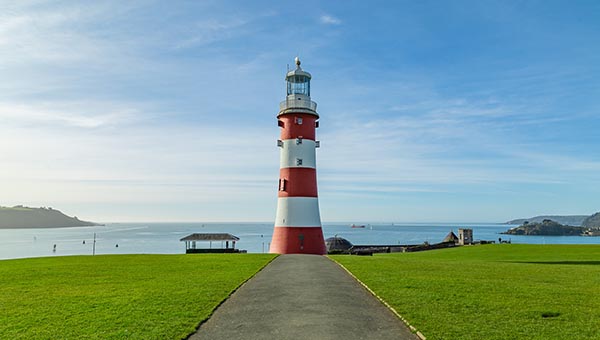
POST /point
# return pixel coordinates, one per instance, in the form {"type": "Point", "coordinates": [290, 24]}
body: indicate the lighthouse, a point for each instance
{"type": "Point", "coordinates": [298, 222]}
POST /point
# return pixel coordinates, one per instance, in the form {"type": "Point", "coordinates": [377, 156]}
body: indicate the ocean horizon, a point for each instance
{"type": "Point", "coordinates": [163, 238]}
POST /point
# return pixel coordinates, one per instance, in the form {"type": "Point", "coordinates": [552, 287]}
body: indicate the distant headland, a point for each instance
{"type": "Point", "coordinates": [575, 220]}
{"type": "Point", "coordinates": [592, 221]}
{"type": "Point", "coordinates": [25, 217]}
{"type": "Point", "coordinates": [552, 228]}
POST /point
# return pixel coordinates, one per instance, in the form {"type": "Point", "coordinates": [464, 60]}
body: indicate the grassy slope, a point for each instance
{"type": "Point", "coordinates": [117, 297]}
{"type": "Point", "coordinates": [490, 292]}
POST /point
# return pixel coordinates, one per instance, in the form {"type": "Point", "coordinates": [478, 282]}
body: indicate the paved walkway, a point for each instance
{"type": "Point", "coordinates": [302, 297]}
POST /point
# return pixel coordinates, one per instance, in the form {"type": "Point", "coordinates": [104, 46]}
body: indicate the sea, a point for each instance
{"type": "Point", "coordinates": [164, 238]}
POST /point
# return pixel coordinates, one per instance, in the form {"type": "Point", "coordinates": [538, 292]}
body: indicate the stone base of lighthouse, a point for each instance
{"type": "Point", "coordinates": [298, 240]}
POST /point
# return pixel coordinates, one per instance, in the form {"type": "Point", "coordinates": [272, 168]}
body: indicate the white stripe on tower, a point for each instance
{"type": "Point", "coordinates": [298, 212]}
{"type": "Point", "coordinates": [295, 151]}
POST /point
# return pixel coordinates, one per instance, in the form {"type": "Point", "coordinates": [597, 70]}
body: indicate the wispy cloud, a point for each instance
{"type": "Point", "coordinates": [329, 20]}
{"type": "Point", "coordinates": [443, 145]}
{"type": "Point", "coordinates": [210, 31]}
{"type": "Point", "coordinates": [83, 114]}
{"type": "Point", "coordinates": [184, 165]}
{"type": "Point", "coordinates": [61, 34]}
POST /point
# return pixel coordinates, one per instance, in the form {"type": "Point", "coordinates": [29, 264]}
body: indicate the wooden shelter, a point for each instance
{"type": "Point", "coordinates": [191, 243]}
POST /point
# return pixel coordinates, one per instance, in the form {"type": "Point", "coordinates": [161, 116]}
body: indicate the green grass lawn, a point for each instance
{"type": "Point", "coordinates": [491, 291]}
{"type": "Point", "coordinates": [117, 296]}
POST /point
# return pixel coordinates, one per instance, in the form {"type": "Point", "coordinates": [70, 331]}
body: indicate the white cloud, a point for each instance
{"type": "Point", "coordinates": [209, 31]}
{"type": "Point", "coordinates": [59, 34]}
{"type": "Point", "coordinates": [83, 114]}
{"type": "Point", "coordinates": [330, 20]}
{"type": "Point", "coordinates": [439, 143]}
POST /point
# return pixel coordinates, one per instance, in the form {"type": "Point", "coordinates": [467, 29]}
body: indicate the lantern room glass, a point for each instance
{"type": "Point", "coordinates": [298, 84]}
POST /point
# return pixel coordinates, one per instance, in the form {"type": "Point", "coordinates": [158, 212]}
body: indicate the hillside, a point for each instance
{"type": "Point", "coordinates": [546, 228]}
{"type": "Point", "coordinates": [24, 217]}
{"type": "Point", "coordinates": [592, 221]}
{"type": "Point", "coordinates": [575, 220]}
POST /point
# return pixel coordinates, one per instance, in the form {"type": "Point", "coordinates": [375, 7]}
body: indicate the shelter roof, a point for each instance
{"type": "Point", "coordinates": [210, 237]}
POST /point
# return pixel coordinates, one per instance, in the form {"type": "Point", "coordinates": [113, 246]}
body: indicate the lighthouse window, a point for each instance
{"type": "Point", "coordinates": [298, 161]}
{"type": "Point", "coordinates": [298, 141]}
{"type": "Point", "coordinates": [282, 184]}
{"type": "Point", "coordinates": [280, 123]}
{"type": "Point", "coordinates": [298, 85]}
{"type": "Point", "coordinates": [299, 120]}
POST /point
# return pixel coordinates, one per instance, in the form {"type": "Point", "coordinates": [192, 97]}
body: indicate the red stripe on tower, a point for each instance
{"type": "Point", "coordinates": [297, 182]}
{"type": "Point", "coordinates": [298, 222]}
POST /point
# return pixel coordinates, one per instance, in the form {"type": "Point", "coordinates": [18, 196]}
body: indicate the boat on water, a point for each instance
{"type": "Point", "coordinates": [357, 226]}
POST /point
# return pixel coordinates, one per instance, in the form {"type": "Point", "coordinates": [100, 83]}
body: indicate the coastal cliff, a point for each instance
{"type": "Point", "coordinates": [25, 217]}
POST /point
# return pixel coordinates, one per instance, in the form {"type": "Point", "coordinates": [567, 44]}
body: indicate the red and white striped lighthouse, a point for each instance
{"type": "Point", "coordinates": [298, 222]}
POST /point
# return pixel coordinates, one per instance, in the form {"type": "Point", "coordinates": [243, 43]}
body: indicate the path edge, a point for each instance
{"type": "Point", "coordinates": [392, 309]}
{"type": "Point", "coordinates": [227, 298]}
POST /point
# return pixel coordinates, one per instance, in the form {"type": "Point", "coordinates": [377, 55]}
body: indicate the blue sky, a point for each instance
{"type": "Point", "coordinates": [430, 110]}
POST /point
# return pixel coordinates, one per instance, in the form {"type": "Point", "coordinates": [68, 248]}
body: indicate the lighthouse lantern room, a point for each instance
{"type": "Point", "coordinates": [298, 222]}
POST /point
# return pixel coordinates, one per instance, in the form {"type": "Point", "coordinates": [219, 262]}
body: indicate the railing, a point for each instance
{"type": "Point", "coordinates": [298, 103]}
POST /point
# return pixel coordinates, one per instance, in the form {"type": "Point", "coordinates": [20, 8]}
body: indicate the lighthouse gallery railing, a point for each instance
{"type": "Point", "coordinates": [298, 103]}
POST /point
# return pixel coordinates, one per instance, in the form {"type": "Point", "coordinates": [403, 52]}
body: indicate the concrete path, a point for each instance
{"type": "Point", "coordinates": [302, 297]}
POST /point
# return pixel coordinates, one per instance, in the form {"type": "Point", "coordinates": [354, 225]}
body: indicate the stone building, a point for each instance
{"type": "Point", "coordinates": [465, 236]}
